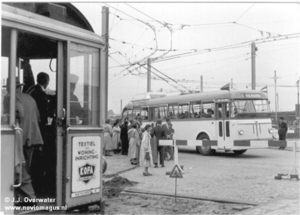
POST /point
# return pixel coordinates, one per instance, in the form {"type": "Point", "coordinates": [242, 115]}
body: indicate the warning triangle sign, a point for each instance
{"type": "Point", "coordinates": [176, 173]}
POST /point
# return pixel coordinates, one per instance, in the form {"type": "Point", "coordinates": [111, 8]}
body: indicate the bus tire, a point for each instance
{"type": "Point", "coordinates": [239, 152]}
{"type": "Point", "coordinates": [204, 150]}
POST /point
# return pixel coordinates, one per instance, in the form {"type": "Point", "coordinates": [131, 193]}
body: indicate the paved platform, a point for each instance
{"type": "Point", "coordinates": [249, 177]}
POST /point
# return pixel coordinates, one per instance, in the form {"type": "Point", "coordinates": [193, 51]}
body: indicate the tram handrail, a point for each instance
{"type": "Point", "coordinates": [21, 156]}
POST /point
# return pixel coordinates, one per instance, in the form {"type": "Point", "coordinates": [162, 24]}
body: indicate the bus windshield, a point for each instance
{"type": "Point", "coordinates": [251, 106]}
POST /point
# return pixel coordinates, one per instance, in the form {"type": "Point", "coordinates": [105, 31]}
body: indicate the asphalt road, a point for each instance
{"type": "Point", "coordinates": [247, 178]}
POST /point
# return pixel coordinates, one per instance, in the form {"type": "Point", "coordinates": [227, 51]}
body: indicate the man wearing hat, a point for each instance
{"type": "Point", "coordinates": [282, 130]}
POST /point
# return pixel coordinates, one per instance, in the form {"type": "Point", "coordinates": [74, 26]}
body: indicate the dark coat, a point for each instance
{"type": "Point", "coordinates": [124, 134]}
{"type": "Point", "coordinates": [41, 100]}
{"type": "Point", "coordinates": [160, 133]}
{"type": "Point", "coordinates": [168, 129]}
{"type": "Point", "coordinates": [282, 128]}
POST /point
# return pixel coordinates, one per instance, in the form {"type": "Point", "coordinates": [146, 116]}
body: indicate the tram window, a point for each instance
{"type": "Point", "coordinates": [5, 52]}
{"type": "Point", "coordinates": [136, 112]}
{"type": "Point", "coordinates": [4, 91]}
{"type": "Point", "coordinates": [84, 85]}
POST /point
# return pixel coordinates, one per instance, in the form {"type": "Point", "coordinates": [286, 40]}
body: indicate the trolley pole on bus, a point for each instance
{"type": "Point", "coordinates": [104, 65]}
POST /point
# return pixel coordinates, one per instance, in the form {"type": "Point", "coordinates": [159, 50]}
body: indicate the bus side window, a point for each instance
{"type": "Point", "coordinates": [173, 111]}
{"type": "Point", "coordinates": [144, 113]}
{"type": "Point", "coordinates": [156, 113]}
{"type": "Point", "coordinates": [195, 110]}
{"type": "Point", "coordinates": [208, 110]}
{"type": "Point", "coordinates": [163, 112]}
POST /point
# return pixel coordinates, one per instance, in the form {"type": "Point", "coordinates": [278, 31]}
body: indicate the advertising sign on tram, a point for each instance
{"type": "Point", "coordinates": [85, 165]}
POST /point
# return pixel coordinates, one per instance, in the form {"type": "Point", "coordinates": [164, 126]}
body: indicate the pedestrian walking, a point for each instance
{"type": "Point", "coordinates": [168, 127]}
{"type": "Point", "coordinates": [107, 138]}
{"type": "Point", "coordinates": [134, 142]}
{"type": "Point", "coordinates": [160, 134]}
{"type": "Point", "coordinates": [116, 136]}
{"type": "Point", "coordinates": [124, 138]}
{"type": "Point", "coordinates": [146, 153]}
{"type": "Point", "coordinates": [282, 130]}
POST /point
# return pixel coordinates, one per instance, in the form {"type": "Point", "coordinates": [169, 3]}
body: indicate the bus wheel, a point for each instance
{"type": "Point", "coordinates": [239, 152]}
{"type": "Point", "coordinates": [204, 150]}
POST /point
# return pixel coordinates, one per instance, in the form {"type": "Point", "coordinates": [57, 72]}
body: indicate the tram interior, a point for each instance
{"type": "Point", "coordinates": [35, 54]}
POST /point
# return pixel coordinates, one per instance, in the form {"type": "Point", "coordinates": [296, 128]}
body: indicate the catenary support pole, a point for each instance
{"type": "Point", "coordinates": [253, 75]}
{"type": "Point", "coordinates": [104, 66]}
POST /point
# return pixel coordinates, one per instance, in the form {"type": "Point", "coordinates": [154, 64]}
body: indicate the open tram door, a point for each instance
{"type": "Point", "coordinates": [82, 178]}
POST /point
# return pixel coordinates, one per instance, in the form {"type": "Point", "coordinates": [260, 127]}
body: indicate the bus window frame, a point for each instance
{"type": "Point", "coordinates": [188, 106]}
{"type": "Point", "coordinates": [145, 108]}
{"type": "Point", "coordinates": [165, 111]}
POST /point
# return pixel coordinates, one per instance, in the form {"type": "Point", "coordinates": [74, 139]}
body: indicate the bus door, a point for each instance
{"type": "Point", "coordinates": [222, 124]}
{"type": "Point", "coordinates": [82, 179]}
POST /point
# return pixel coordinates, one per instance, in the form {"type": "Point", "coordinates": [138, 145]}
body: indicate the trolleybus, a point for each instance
{"type": "Point", "coordinates": [221, 116]}
{"type": "Point", "coordinates": [57, 39]}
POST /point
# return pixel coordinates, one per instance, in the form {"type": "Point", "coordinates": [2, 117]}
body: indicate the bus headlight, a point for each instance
{"type": "Point", "coordinates": [241, 132]}
{"type": "Point", "coordinates": [271, 130]}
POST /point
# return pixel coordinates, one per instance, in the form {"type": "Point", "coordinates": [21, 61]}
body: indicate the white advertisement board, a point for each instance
{"type": "Point", "coordinates": [85, 165]}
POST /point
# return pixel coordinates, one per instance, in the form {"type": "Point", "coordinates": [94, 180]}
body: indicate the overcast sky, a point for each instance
{"type": "Point", "coordinates": [198, 33]}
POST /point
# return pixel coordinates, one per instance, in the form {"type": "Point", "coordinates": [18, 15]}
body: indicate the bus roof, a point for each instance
{"type": "Point", "coordinates": [196, 97]}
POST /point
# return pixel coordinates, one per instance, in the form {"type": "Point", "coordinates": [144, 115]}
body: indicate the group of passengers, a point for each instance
{"type": "Point", "coordinates": [141, 144]}
{"type": "Point", "coordinates": [185, 115]}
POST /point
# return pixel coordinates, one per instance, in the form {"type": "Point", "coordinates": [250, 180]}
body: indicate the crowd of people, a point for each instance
{"type": "Point", "coordinates": [140, 144]}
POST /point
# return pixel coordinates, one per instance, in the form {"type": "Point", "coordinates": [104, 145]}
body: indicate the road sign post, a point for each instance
{"type": "Point", "coordinates": [176, 173]}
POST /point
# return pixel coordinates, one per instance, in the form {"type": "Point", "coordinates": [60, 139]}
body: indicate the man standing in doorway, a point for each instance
{"type": "Point", "coordinates": [282, 130]}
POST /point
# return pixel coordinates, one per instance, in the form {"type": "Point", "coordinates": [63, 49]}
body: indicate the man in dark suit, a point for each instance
{"type": "Point", "coordinates": [38, 92]}
{"type": "Point", "coordinates": [168, 127]}
{"type": "Point", "coordinates": [282, 130]}
{"type": "Point", "coordinates": [44, 160]}
{"type": "Point", "coordinates": [160, 134]}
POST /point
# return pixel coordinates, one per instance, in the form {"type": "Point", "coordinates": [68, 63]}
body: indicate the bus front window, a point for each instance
{"type": "Point", "coordinates": [251, 106]}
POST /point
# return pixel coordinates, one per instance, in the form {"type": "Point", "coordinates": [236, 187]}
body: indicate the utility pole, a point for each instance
{"type": "Point", "coordinates": [104, 66]}
{"type": "Point", "coordinates": [231, 84]}
{"type": "Point", "coordinates": [149, 75]}
{"type": "Point", "coordinates": [253, 49]}
{"type": "Point", "coordinates": [276, 104]}
{"type": "Point", "coordinates": [298, 107]}
{"type": "Point", "coordinates": [201, 84]}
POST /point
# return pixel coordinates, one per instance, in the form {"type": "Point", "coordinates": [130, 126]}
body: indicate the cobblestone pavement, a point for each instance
{"type": "Point", "coordinates": [248, 177]}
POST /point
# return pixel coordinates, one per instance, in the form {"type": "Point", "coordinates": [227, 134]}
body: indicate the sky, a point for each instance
{"type": "Point", "coordinates": [136, 30]}
{"type": "Point", "coordinates": [188, 40]}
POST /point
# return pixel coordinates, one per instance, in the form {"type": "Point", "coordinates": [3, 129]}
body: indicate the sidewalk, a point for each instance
{"type": "Point", "coordinates": [277, 207]}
